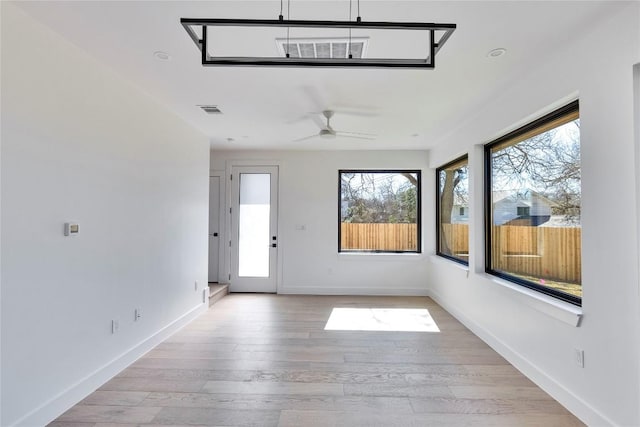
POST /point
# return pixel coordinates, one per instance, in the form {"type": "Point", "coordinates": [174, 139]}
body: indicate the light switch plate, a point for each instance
{"type": "Point", "coordinates": [579, 357]}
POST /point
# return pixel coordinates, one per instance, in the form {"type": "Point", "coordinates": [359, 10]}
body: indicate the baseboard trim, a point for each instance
{"type": "Point", "coordinates": [576, 405]}
{"type": "Point", "coordinates": [323, 290]}
{"type": "Point", "coordinates": [50, 410]}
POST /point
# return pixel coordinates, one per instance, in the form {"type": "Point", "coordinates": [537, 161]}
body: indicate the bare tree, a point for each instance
{"type": "Point", "coordinates": [548, 163]}
{"type": "Point", "coordinates": [450, 188]}
{"type": "Point", "coordinates": [378, 197]}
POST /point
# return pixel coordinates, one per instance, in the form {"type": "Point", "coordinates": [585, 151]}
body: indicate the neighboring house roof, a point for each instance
{"type": "Point", "coordinates": [513, 196]}
{"type": "Point", "coordinates": [561, 221]}
{"type": "Point", "coordinates": [525, 195]}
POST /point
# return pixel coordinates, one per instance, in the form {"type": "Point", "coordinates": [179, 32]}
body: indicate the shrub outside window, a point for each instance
{"type": "Point", "coordinates": [379, 211]}
{"type": "Point", "coordinates": [533, 194]}
{"type": "Point", "coordinates": [452, 210]}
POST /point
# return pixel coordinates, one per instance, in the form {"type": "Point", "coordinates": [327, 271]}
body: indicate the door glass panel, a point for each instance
{"type": "Point", "coordinates": [253, 222]}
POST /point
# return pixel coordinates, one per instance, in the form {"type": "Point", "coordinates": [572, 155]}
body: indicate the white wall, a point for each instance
{"type": "Point", "coordinates": [81, 144]}
{"type": "Point", "coordinates": [308, 195]}
{"type": "Point", "coordinates": [598, 67]}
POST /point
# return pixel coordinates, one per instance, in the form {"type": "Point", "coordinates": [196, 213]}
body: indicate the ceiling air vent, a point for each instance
{"type": "Point", "coordinates": [322, 47]}
{"type": "Point", "coordinates": [210, 109]}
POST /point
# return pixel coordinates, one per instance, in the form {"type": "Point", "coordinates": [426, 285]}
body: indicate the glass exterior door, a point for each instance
{"type": "Point", "coordinates": [254, 216]}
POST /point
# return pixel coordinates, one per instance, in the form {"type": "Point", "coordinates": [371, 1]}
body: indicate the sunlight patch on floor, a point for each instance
{"type": "Point", "coordinates": [381, 319]}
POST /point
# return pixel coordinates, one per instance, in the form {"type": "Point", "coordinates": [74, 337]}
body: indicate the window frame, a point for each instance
{"type": "Point", "coordinates": [464, 157]}
{"type": "Point", "coordinates": [418, 173]}
{"type": "Point", "coordinates": [529, 128]}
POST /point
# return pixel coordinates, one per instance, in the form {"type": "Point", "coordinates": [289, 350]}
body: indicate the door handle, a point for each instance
{"type": "Point", "coordinates": [213, 234]}
{"type": "Point", "coordinates": [274, 245]}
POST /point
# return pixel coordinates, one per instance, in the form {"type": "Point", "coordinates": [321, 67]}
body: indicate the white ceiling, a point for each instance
{"type": "Point", "coordinates": [266, 108]}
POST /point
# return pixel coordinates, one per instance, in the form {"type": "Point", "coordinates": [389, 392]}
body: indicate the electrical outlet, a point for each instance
{"type": "Point", "coordinates": [579, 357]}
{"type": "Point", "coordinates": [137, 314]}
{"type": "Point", "coordinates": [115, 325]}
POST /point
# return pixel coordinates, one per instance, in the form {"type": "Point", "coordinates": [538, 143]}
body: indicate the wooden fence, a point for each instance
{"type": "Point", "coordinates": [456, 239]}
{"type": "Point", "coordinates": [551, 253]}
{"type": "Point", "coordinates": [379, 237]}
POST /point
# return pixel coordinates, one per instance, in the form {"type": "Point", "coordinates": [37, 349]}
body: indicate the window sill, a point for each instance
{"type": "Point", "coordinates": [437, 259]}
{"type": "Point", "coordinates": [563, 311]}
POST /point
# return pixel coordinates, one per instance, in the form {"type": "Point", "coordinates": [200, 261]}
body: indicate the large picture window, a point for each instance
{"type": "Point", "coordinates": [379, 211]}
{"type": "Point", "coordinates": [533, 205]}
{"type": "Point", "coordinates": [452, 210]}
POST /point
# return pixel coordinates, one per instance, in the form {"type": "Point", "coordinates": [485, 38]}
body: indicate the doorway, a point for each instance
{"type": "Point", "coordinates": [254, 225]}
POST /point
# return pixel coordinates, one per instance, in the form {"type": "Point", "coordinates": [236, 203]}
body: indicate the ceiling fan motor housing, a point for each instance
{"type": "Point", "coordinates": [327, 133]}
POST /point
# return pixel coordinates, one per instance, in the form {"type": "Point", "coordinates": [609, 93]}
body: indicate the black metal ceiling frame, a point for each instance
{"type": "Point", "coordinates": [427, 63]}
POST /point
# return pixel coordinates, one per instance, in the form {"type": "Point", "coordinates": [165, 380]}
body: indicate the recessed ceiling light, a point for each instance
{"type": "Point", "coordinates": [163, 56]}
{"type": "Point", "coordinates": [496, 52]}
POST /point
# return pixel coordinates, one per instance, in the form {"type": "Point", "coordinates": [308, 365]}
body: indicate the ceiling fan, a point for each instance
{"type": "Point", "coordinates": [327, 132]}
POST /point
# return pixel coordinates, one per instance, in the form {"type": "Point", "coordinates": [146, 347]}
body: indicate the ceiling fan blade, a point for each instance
{"type": "Point", "coordinates": [318, 121]}
{"type": "Point", "coordinates": [319, 103]}
{"type": "Point", "coordinates": [356, 133]}
{"type": "Point", "coordinates": [355, 112]}
{"type": "Point", "coordinates": [298, 120]}
{"type": "Point", "coordinates": [313, 116]}
{"type": "Point", "coordinates": [348, 135]}
{"type": "Point", "coordinates": [305, 138]}
{"type": "Point", "coordinates": [317, 100]}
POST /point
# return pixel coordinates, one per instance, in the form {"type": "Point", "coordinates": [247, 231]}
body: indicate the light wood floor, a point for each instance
{"type": "Point", "coordinates": [266, 360]}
